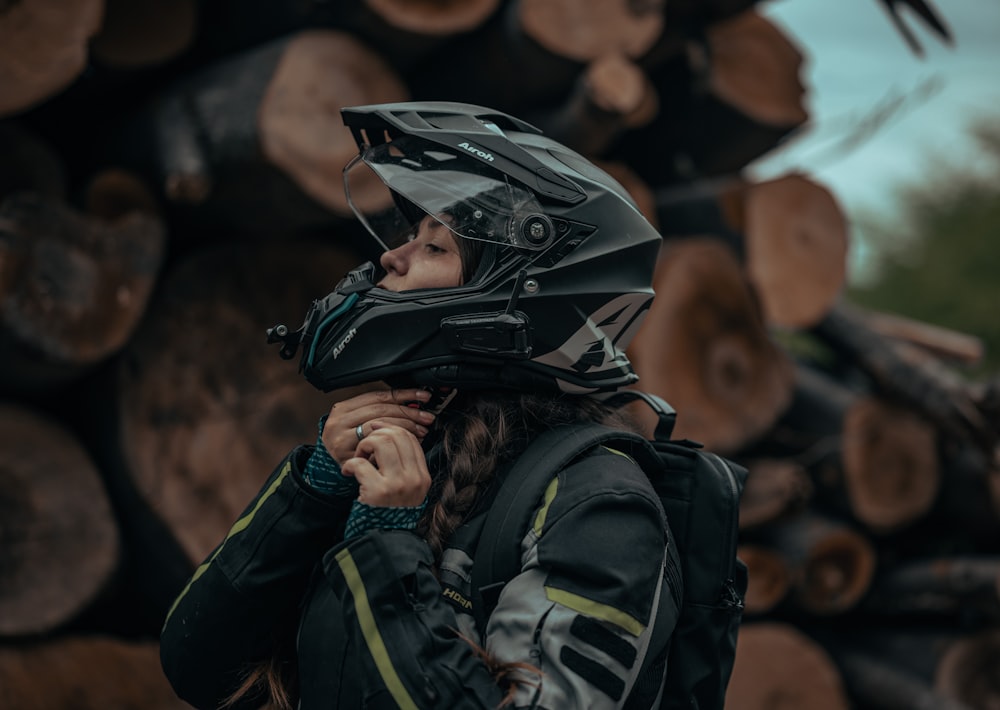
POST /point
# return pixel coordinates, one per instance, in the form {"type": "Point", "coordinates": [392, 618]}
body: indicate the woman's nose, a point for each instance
{"type": "Point", "coordinates": [394, 260]}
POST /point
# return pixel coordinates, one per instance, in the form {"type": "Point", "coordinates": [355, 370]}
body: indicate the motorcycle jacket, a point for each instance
{"type": "Point", "coordinates": [376, 622]}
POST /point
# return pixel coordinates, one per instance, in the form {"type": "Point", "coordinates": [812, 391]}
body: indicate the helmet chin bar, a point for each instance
{"type": "Point", "coordinates": [323, 313]}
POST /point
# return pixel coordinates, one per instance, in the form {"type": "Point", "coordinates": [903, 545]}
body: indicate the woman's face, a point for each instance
{"type": "Point", "coordinates": [429, 259]}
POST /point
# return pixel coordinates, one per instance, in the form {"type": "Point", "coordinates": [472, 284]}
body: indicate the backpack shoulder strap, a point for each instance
{"type": "Point", "coordinates": [498, 554]}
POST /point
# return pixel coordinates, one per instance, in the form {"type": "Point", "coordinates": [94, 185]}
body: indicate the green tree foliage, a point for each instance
{"type": "Point", "coordinates": [941, 262]}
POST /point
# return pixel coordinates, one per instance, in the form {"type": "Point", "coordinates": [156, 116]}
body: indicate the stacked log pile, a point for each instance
{"type": "Point", "coordinates": [170, 187]}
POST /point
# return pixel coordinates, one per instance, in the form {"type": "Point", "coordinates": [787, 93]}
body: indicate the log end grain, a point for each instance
{"type": "Point", "coordinates": [968, 670]}
{"type": "Point", "coordinates": [703, 347]}
{"type": "Point", "coordinates": [208, 408]}
{"type": "Point", "coordinates": [779, 668]}
{"type": "Point", "coordinates": [43, 48]}
{"type": "Point", "coordinates": [796, 249]}
{"type": "Point", "coordinates": [59, 540]}
{"type": "Point", "coordinates": [774, 488]}
{"type": "Point", "coordinates": [890, 462]}
{"type": "Point", "coordinates": [836, 573]}
{"type": "Point", "coordinates": [769, 578]}
{"type": "Point", "coordinates": [434, 17]}
{"type": "Point", "coordinates": [753, 66]}
{"type": "Point", "coordinates": [301, 130]}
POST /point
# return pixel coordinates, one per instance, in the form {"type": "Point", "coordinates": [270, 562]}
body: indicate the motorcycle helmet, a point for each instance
{"type": "Point", "coordinates": [564, 260]}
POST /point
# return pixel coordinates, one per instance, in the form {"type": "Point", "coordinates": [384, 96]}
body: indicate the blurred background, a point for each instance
{"type": "Point", "coordinates": [826, 178]}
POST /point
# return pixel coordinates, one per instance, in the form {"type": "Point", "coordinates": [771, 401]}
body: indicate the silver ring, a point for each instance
{"type": "Point", "coordinates": [360, 431]}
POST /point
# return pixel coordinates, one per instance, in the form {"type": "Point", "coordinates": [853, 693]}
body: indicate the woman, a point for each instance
{"type": "Point", "coordinates": [512, 275]}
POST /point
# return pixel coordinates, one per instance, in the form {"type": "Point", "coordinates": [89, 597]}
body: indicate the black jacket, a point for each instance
{"type": "Point", "coordinates": [370, 624]}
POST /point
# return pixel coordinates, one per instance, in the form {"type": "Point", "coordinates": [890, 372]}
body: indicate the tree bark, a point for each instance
{"type": "Point", "coordinates": [256, 143]}
{"type": "Point", "coordinates": [59, 540]}
{"type": "Point", "coordinates": [952, 410]}
{"type": "Point", "coordinates": [964, 588]}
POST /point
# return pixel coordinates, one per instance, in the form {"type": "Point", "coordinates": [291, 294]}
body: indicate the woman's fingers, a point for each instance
{"type": "Point", "coordinates": [390, 469]}
{"type": "Point", "coordinates": [398, 407]}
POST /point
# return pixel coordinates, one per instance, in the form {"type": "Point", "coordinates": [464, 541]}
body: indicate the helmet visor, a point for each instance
{"type": "Point", "coordinates": [417, 177]}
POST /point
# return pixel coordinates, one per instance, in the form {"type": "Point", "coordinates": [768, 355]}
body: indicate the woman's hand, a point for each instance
{"type": "Point", "coordinates": [371, 411]}
{"type": "Point", "coordinates": [390, 468]}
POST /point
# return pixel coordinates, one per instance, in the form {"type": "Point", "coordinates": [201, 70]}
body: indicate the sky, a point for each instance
{"type": "Point", "coordinates": [857, 67]}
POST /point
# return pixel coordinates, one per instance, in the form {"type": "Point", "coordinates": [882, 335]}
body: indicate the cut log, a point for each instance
{"type": "Point", "coordinates": [407, 31]}
{"type": "Point", "coordinates": [59, 540]}
{"type": "Point", "coordinates": [207, 408]}
{"type": "Point", "coordinates": [500, 66]}
{"type": "Point", "coordinates": [775, 488]}
{"type": "Point", "coordinates": [752, 65]}
{"type": "Point", "coordinates": [769, 578]}
{"type": "Point", "coordinates": [712, 207]}
{"type": "Point", "coordinates": [43, 48]}
{"type": "Point", "coordinates": [879, 684]}
{"type": "Point", "coordinates": [964, 589]}
{"type": "Point", "coordinates": [256, 143]}
{"type": "Point", "coordinates": [612, 96]}
{"type": "Point", "coordinates": [696, 135]}
{"type": "Point", "coordinates": [960, 666]}
{"type": "Point", "coordinates": [301, 130]}
{"type": "Point", "coordinates": [704, 349]}
{"type": "Point", "coordinates": [968, 670]}
{"type": "Point", "coordinates": [144, 33]}
{"type": "Point", "coordinates": [85, 673]}
{"type": "Point", "coordinates": [74, 287]}
{"type": "Point", "coordinates": [938, 340]}
{"type": "Point", "coordinates": [779, 668]}
{"type": "Point", "coordinates": [796, 249]}
{"type": "Point", "coordinates": [890, 462]}
{"type": "Point", "coordinates": [635, 186]}
{"type": "Point", "coordinates": [950, 409]}
{"type": "Point", "coordinates": [832, 564]}
{"type": "Point", "coordinates": [584, 30]}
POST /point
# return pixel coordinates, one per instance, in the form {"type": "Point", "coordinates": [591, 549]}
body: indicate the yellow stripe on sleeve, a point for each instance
{"type": "Point", "coordinates": [239, 526]}
{"type": "Point", "coordinates": [596, 610]}
{"type": "Point", "coordinates": [550, 495]}
{"type": "Point", "coordinates": [376, 646]}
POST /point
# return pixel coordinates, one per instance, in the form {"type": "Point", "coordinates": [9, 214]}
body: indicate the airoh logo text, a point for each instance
{"type": "Point", "coordinates": [472, 149]}
{"type": "Point", "coordinates": [343, 343]}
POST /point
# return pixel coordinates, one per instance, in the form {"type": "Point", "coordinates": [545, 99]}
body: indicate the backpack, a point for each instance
{"type": "Point", "coordinates": [700, 494]}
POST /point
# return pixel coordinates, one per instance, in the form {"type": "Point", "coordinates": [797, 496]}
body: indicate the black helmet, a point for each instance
{"type": "Point", "coordinates": [564, 274]}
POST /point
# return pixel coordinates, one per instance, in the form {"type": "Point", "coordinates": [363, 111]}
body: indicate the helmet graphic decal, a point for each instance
{"type": "Point", "coordinates": [600, 342]}
{"type": "Point", "coordinates": [593, 357]}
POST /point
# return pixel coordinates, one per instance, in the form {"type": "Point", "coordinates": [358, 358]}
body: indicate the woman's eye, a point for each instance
{"type": "Point", "coordinates": [434, 248]}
